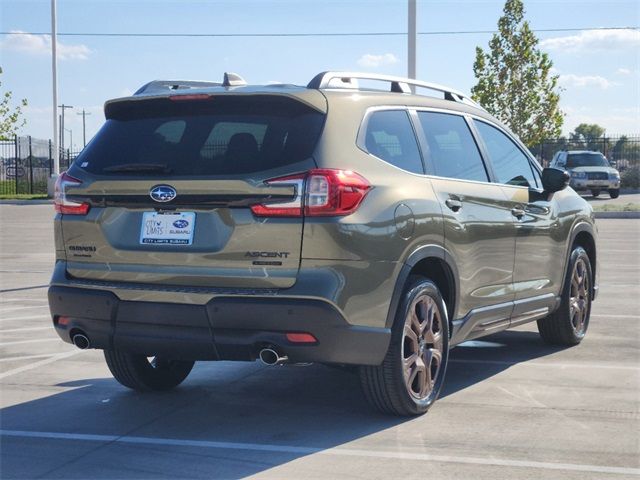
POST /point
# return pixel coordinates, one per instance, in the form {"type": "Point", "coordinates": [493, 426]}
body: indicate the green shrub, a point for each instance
{"type": "Point", "coordinates": [631, 178]}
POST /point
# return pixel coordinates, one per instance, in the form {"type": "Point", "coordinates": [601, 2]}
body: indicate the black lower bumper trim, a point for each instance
{"type": "Point", "coordinates": [226, 328]}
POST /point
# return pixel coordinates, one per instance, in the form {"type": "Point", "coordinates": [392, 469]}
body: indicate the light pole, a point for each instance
{"type": "Point", "coordinates": [54, 82]}
{"type": "Point", "coordinates": [411, 41]}
{"type": "Point", "coordinates": [84, 127]}
{"type": "Point", "coordinates": [63, 107]}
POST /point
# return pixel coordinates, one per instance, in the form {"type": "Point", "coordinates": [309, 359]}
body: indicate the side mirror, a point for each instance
{"type": "Point", "coordinates": [555, 179]}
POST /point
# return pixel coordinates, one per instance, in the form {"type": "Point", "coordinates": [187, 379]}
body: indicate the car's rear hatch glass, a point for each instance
{"type": "Point", "coordinates": [220, 135]}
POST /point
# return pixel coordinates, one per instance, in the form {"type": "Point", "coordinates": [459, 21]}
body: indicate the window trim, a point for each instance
{"type": "Point", "coordinates": [426, 159]}
{"type": "Point", "coordinates": [362, 134]}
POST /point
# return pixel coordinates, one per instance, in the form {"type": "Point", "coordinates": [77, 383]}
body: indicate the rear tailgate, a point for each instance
{"type": "Point", "coordinates": [170, 185]}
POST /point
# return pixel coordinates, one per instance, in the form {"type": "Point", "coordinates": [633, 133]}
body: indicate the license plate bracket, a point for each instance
{"type": "Point", "coordinates": [167, 228]}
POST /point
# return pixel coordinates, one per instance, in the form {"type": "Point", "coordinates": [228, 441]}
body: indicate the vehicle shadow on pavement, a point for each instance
{"type": "Point", "coordinates": [475, 361]}
{"type": "Point", "coordinates": [315, 406]}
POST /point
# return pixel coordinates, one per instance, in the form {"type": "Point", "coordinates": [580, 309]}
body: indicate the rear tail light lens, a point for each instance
{"type": "Point", "coordinates": [288, 209]}
{"type": "Point", "coordinates": [319, 192]}
{"type": "Point", "coordinates": [60, 202]}
{"type": "Point", "coordinates": [334, 192]}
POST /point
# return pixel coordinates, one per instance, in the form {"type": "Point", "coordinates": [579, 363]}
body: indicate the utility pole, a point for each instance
{"type": "Point", "coordinates": [70, 140]}
{"type": "Point", "coordinates": [54, 75]}
{"type": "Point", "coordinates": [84, 127]}
{"type": "Point", "coordinates": [63, 107]}
{"type": "Point", "coordinates": [411, 44]}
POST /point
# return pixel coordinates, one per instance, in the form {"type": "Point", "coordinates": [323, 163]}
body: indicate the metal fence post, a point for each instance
{"type": "Point", "coordinates": [30, 167]}
{"type": "Point", "coordinates": [50, 158]}
{"type": "Point", "coordinates": [16, 155]}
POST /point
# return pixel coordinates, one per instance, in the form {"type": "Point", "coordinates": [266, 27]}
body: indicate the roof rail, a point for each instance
{"type": "Point", "coordinates": [164, 85]}
{"type": "Point", "coordinates": [326, 80]}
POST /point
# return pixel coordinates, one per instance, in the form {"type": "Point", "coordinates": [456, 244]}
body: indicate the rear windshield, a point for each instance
{"type": "Point", "coordinates": [218, 136]}
{"type": "Point", "coordinates": [586, 160]}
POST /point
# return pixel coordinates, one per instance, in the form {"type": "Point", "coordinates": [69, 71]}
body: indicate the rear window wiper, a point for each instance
{"type": "Point", "coordinates": [139, 167]}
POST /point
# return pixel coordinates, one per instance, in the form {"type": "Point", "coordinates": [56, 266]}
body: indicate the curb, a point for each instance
{"type": "Point", "coordinates": [617, 214]}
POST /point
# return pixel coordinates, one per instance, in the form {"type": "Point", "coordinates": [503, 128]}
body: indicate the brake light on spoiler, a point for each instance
{"type": "Point", "coordinates": [319, 193]}
{"type": "Point", "coordinates": [60, 202]}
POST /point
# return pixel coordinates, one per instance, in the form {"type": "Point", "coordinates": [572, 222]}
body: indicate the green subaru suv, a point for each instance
{"type": "Point", "coordinates": [361, 220]}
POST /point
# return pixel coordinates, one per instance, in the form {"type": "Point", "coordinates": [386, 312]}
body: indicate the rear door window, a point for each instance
{"type": "Point", "coordinates": [220, 136]}
{"type": "Point", "coordinates": [389, 136]}
{"type": "Point", "coordinates": [452, 151]}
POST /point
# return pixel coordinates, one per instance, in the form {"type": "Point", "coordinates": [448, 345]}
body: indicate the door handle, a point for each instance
{"type": "Point", "coordinates": [517, 212]}
{"type": "Point", "coordinates": [453, 204]}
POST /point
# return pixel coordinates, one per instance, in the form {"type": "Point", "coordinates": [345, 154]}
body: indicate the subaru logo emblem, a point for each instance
{"type": "Point", "coordinates": [162, 193]}
{"type": "Point", "coordinates": [181, 224]}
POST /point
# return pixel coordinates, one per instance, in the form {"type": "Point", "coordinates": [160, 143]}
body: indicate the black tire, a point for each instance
{"type": "Point", "coordinates": [568, 324]}
{"type": "Point", "coordinates": [614, 192]}
{"type": "Point", "coordinates": [140, 373]}
{"type": "Point", "coordinates": [595, 192]}
{"type": "Point", "coordinates": [384, 386]}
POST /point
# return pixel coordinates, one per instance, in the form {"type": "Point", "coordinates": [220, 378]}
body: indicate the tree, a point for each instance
{"type": "Point", "coordinates": [589, 136]}
{"type": "Point", "coordinates": [515, 83]}
{"type": "Point", "coordinates": [11, 119]}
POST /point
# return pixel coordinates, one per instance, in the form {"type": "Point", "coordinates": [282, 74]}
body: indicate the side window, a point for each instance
{"type": "Point", "coordinates": [510, 165]}
{"type": "Point", "coordinates": [452, 150]}
{"type": "Point", "coordinates": [389, 136]}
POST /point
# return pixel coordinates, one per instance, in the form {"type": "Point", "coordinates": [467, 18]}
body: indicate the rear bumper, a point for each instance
{"type": "Point", "coordinates": [225, 328]}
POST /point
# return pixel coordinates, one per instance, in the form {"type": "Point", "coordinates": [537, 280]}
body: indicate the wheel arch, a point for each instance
{"type": "Point", "coordinates": [583, 235]}
{"type": "Point", "coordinates": [435, 263]}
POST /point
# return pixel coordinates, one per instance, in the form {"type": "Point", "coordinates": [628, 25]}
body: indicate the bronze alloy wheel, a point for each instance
{"type": "Point", "coordinates": [579, 299]}
{"type": "Point", "coordinates": [422, 347]}
{"type": "Point", "coordinates": [568, 324]}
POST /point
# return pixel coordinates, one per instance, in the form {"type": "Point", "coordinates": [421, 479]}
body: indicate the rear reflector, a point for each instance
{"type": "Point", "coordinates": [62, 321]}
{"type": "Point", "coordinates": [318, 192]}
{"type": "Point", "coordinates": [301, 338]}
{"type": "Point", "coordinates": [60, 202]}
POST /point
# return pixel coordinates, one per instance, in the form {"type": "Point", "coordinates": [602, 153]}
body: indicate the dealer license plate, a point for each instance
{"type": "Point", "coordinates": [168, 228]}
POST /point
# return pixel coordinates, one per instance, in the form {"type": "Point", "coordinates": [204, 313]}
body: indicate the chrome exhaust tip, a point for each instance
{"type": "Point", "coordinates": [81, 341]}
{"type": "Point", "coordinates": [269, 356]}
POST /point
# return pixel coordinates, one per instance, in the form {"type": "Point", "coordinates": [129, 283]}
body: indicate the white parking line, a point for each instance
{"type": "Point", "coordinates": [336, 451]}
{"type": "Point", "coordinates": [614, 315]}
{"type": "Point", "coordinates": [28, 317]}
{"type": "Point", "coordinates": [35, 340]}
{"type": "Point", "coordinates": [26, 357]}
{"type": "Point", "coordinates": [30, 329]}
{"type": "Point", "coordinates": [3, 301]}
{"type": "Point", "coordinates": [41, 363]}
{"type": "Point", "coordinates": [5, 311]}
{"type": "Point", "coordinates": [555, 365]}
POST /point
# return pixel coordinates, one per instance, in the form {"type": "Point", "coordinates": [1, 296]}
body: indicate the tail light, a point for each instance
{"type": "Point", "coordinates": [319, 192]}
{"type": "Point", "coordinates": [60, 202]}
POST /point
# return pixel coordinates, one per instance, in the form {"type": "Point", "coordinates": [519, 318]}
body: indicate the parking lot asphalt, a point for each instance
{"type": "Point", "coordinates": [604, 198]}
{"type": "Point", "coordinates": [512, 407]}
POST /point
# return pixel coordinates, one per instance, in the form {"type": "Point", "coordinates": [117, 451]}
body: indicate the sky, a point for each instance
{"type": "Point", "coordinates": [599, 69]}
